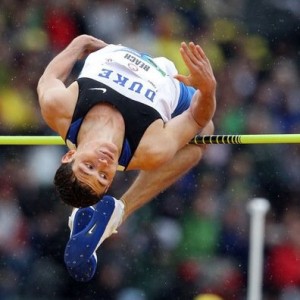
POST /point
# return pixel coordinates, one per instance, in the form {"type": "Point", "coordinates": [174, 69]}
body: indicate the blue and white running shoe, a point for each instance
{"type": "Point", "coordinates": [78, 220]}
{"type": "Point", "coordinates": [89, 228]}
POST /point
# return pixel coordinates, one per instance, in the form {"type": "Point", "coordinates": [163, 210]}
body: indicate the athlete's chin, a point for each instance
{"type": "Point", "coordinates": [109, 149]}
{"type": "Point", "coordinates": [103, 145]}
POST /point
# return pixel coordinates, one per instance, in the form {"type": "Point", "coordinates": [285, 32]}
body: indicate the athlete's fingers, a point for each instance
{"type": "Point", "coordinates": [200, 53]}
{"type": "Point", "coordinates": [190, 51]}
{"type": "Point", "coordinates": [183, 51]}
{"type": "Point", "coordinates": [188, 57]}
{"type": "Point", "coordinates": [195, 51]}
{"type": "Point", "coordinates": [202, 56]}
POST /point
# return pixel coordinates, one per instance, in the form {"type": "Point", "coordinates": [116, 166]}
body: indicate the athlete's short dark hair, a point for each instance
{"type": "Point", "coordinates": [72, 191]}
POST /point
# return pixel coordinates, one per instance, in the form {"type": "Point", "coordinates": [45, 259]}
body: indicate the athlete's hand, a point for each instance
{"type": "Point", "coordinates": [201, 77]}
{"type": "Point", "coordinates": [86, 44]}
{"type": "Point", "coordinates": [201, 74]}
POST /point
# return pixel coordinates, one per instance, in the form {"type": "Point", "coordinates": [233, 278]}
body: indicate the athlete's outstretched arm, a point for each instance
{"type": "Point", "coordinates": [61, 66]}
{"type": "Point", "coordinates": [53, 95]}
{"type": "Point", "coordinates": [163, 143]}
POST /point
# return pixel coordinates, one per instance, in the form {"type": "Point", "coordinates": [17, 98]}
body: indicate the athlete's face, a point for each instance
{"type": "Point", "coordinates": [94, 165]}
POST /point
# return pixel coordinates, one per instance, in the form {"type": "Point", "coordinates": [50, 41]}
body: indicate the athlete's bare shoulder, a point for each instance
{"type": "Point", "coordinates": [59, 108]}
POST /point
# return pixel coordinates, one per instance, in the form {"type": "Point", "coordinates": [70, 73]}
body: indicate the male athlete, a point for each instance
{"type": "Point", "coordinates": [126, 111]}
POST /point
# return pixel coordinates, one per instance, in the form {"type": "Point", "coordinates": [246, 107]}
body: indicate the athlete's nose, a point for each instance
{"type": "Point", "coordinates": [103, 161]}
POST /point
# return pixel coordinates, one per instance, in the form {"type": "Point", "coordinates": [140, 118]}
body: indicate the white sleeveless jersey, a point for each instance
{"type": "Point", "coordinates": [136, 76]}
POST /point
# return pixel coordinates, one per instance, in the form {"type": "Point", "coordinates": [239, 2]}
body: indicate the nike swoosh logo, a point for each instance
{"type": "Point", "coordinates": [99, 89]}
{"type": "Point", "coordinates": [91, 230]}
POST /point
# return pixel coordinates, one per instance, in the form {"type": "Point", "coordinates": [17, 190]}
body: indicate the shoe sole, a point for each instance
{"type": "Point", "coordinates": [81, 246]}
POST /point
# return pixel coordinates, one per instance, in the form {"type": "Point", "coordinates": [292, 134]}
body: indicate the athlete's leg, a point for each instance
{"type": "Point", "coordinates": [149, 184]}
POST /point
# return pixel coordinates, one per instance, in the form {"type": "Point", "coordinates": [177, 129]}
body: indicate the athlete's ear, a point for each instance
{"type": "Point", "coordinates": [68, 157]}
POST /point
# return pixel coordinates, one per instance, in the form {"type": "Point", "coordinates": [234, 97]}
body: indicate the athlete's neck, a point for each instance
{"type": "Point", "coordinates": [102, 122]}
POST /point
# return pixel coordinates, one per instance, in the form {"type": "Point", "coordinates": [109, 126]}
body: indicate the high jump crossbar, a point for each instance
{"type": "Point", "coordinates": [247, 139]}
{"type": "Point", "coordinates": [197, 140]}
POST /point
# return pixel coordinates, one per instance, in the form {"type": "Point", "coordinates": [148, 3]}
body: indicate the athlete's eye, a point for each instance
{"type": "Point", "coordinates": [102, 175]}
{"type": "Point", "coordinates": [89, 166]}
